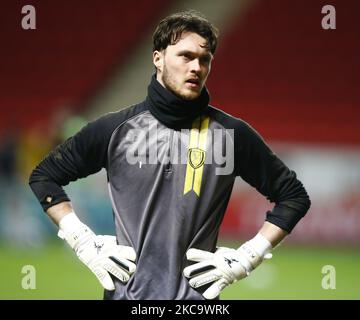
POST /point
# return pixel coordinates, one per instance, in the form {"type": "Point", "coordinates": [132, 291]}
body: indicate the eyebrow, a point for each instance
{"type": "Point", "coordinates": [206, 55]}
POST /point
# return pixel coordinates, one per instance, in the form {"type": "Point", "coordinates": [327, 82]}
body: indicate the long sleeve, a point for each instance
{"type": "Point", "coordinates": [81, 155]}
{"type": "Point", "coordinates": [262, 169]}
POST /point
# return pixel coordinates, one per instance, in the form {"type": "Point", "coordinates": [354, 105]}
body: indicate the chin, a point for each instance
{"type": "Point", "coordinates": [190, 95]}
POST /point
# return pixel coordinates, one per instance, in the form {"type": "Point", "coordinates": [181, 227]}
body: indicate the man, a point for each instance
{"type": "Point", "coordinates": [168, 204]}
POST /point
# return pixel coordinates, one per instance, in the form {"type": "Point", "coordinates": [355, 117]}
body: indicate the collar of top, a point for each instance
{"type": "Point", "coordinates": [173, 111]}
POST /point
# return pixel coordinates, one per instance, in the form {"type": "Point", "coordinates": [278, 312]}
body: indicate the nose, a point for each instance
{"type": "Point", "coordinates": [195, 65]}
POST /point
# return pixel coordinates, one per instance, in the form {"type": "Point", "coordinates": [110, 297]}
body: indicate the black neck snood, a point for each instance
{"type": "Point", "coordinates": [173, 111]}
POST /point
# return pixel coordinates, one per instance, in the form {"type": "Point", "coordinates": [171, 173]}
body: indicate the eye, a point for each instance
{"type": "Point", "coordinates": [205, 59]}
{"type": "Point", "coordinates": [186, 57]}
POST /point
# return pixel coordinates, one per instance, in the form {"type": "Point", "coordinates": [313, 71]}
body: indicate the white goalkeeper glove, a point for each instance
{"type": "Point", "coordinates": [101, 254]}
{"type": "Point", "coordinates": [226, 265]}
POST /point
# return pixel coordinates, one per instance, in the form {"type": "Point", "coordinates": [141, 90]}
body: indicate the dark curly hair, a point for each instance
{"type": "Point", "coordinates": [170, 29]}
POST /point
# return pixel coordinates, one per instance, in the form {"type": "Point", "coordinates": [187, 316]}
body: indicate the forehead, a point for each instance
{"type": "Point", "coordinates": [190, 41]}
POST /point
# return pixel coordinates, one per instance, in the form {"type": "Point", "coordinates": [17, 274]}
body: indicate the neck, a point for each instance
{"type": "Point", "coordinates": [172, 110]}
{"type": "Point", "coordinates": [158, 78]}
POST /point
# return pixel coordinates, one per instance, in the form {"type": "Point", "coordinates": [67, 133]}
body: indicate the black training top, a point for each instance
{"type": "Point", "coordinates": [171, 166]}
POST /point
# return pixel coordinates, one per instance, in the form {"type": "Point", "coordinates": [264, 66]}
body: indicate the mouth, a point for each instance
{"type": "Point", "coordinates": [193, 83]}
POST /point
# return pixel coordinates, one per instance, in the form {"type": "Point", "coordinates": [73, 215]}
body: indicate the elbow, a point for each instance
{"type": "Point", "coordinates": [33, 176]}
{"type": "Point", "coordinates": [37, 175]}
{"type": "Point", "coordinates": [301, 203]}
{"type": "Point", "coordinates": [305, 203]}
{"type": "Point", "coordinates": [308, 203]}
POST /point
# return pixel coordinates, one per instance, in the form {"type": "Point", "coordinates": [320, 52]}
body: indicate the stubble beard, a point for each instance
{"type": "Point", "coordinates": [169, 84]}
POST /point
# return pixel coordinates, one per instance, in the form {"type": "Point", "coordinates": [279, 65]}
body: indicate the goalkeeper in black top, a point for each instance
{"type": "Point", "coordinates": [171, 162]}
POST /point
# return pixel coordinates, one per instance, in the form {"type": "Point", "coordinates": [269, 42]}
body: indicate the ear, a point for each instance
{"type": "Point", "coordinates": [158, 60]}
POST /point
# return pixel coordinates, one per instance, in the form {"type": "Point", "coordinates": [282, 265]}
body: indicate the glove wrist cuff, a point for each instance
{"type": "Point", "coordinates": [70, 223]}
{"type": "Point", "coordinates": [73, 231]}
{"type": "Point", "coordinates": [260, 244]}
{"type": "Point", "coordinates": [254, 250]}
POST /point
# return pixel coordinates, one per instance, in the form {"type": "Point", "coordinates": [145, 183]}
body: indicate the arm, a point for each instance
{"type": "Point", "coordinates": [263, 170]}
{"type": "Point", "coordinates": [272, 233]}
{"type": "Point", "coordinates": [78, 157]}
{"type": "Point", "coordinates": [59, 211]}
{"type": "Point", "coordinates": [260, 167]}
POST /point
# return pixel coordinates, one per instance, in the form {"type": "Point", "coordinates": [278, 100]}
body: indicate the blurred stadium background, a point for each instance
{"type": "Point", "coordinates": [276, 68]}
